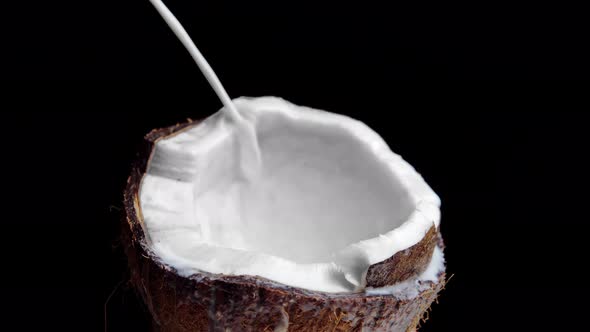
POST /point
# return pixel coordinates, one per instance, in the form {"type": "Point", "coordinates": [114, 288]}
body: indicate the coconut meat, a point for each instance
{"type": "Point", "coordinates": [327, 199]}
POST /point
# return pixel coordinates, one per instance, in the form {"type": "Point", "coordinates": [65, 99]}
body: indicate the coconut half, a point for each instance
{"type": "Point", "coordinates": [334, 231]}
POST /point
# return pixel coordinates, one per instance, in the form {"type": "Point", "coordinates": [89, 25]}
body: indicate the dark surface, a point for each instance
{"type": "Point", "coordinates": [401, 40]}
{"type": "Point", "coordinates": [507, 158]}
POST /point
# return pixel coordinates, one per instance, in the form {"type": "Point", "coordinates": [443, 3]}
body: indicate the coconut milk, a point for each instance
{"type": "Point", "coordinates": [248, 145]}
{"type": "Point", "coordinates": [249, 161]}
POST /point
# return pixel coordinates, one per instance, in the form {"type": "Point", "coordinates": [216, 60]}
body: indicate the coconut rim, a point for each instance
{"type": "Point", "coordinates": [425, 214]}
{"type": "Point", "coordinates": [138, 240]}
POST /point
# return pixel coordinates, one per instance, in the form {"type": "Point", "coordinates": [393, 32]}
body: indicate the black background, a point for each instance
{"type": "Point", "coordinates": [505, 155]}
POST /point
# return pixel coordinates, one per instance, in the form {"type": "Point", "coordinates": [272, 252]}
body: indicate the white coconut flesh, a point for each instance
{"type": "Point", "coordinates": [329, 199]}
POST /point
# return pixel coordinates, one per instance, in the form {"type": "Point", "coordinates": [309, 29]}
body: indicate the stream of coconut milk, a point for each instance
{"type": "Point", "coordinates": [249, 159]}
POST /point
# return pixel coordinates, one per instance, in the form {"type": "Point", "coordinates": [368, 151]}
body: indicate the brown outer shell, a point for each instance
{"type": "Point", "coordinates": [214, 302]}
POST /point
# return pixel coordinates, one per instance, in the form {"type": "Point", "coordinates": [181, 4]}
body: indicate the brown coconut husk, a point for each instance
{"type": "Point", "coordinates": [215, 302]}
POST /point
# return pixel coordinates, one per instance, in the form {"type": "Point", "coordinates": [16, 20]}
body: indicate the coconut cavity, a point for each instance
{"type": "Point", "coordinates": [328, 199]}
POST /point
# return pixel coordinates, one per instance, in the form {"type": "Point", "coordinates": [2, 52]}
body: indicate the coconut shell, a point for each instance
{"type": "Point", "coordinates": [216, 302]}
{"type": "Point", "coordinates": [405, 264]}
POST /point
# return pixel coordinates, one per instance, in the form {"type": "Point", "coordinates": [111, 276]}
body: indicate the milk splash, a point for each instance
{"type": "Point", "coordinates": [250, 162]}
